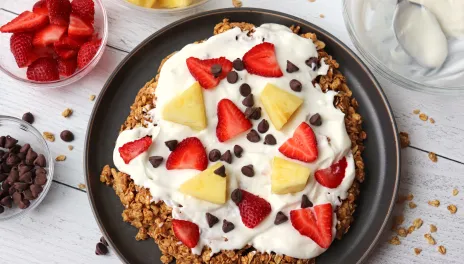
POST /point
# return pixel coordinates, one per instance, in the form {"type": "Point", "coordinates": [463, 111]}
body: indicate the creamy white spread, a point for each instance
{"type": "Point", "coordinates": [163, 184]}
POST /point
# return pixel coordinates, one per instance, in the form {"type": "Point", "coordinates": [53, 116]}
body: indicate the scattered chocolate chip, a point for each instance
{"type": "Point", "coordinates": [101, 249]}
{"type": "Point", "coordinates": [280, 218]}
{"type": "Point", "coordinates": [295, 85]}
{"type": "Point", "coordinates": [315, 120]}
{"type": "Point", "coordinates": [269, 140]}
{"type": "Point", "coordinates": [253, 113]}
{"type": "Point", "coordinates": [236, 196]}
{"type": "Point", "coordinates": [28, 117]}
{"type": "Point", "coordinates": [24, 203]}
{"type": "Point", "coordinates": [28, 195]}
{"type": "Point", "coordinates": [10, 142]}
{"type": "Point", "coordinates": [248, 170]}
{"type": "Point", "coordinates": [221, 171]}
{"type": "Point", "coordinates": [227, 226]}
{"type": "Point", "coordinates": [216, 70]}
{"type": "Point", "coordinates": [312, 62]}
{"type": "Point", "coordinates": [24, 148]}
{"type": "Point", "coordinates": [171, 144]}
{"type": "Point", "coordinates": [253, 136]}
{"type": "Point", "coordinates": [40, 179]}
{"type": "Point", "coordinates": [248, 101]}
{"type": "Point", "coordinates": [291, 67]}
{"type": "Point", "coordinates": [67, 136]}
{"type": "Point", "coordinates": [211, 220]}
{"type": "Point", "coordinates": [339, 199]}
{"type": "Point", "coordinates": [227, 157]}
{"type": "Point", "coordinates": [214, 155]}
{"type": "Point", "coordinates": [238, 151]}
{"type": "Point", "coordinates": [35, 190]}
{"type": "Point", "coordinates": [103, 241]}
{"type": "Point", "coordinates": [263, 126]}
{"type": "Point", "coordinates": [7, 202]}
{"type": "Point", "coordinates": [245, 89]}
{"type": "Point", "coordinates": [232, 77]}
{"type": "Point", "coordinates": [30, 156]}
{"type": "Point", "coordinates": [305, 202]}
{"type": "Point", "coordinates": [40, 161]}
{"type": "Point", "coordinates": [2, 141]}
{"type": "Point", "coordinates": [155, 161]}
{"type": "Point", "coordinates": [238, 65]}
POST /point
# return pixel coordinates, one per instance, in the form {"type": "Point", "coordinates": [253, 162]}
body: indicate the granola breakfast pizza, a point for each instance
{"type": "Point", "coordinates": [245, 148]}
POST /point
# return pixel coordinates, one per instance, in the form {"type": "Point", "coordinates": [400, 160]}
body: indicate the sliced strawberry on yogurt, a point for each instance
{"type": "Point", "coordinates": [231, 121]}
{"type": "Point", "coordinates": [187, 232]}
{"type": "Point", "coordinates": [253, 209]}
{"type": "Point", "coordinates": [131, 150]}
{"type": "Point", "coordinates": [316, 225]}
{"type": "Point", "coordinates": [302, 145]}
{"type": "Point", "coordinates": [201, 70]}
{"type": "Point", "coordinates": [261, 60]}
{"type": "Point", "coordinates": [332, 176]}
{"type": "Point", "coordinates": [189, 154]}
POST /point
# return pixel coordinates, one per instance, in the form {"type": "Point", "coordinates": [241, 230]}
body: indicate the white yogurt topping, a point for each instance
{"type": "Point", "coordinates": [163, 184]}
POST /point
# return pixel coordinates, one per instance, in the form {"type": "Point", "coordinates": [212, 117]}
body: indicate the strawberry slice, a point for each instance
{"type": "Point", "coordinates": [84, 9]}
{"type": "Point", "coordinates": [253, 209]}
{"type": "Point", "coordinates": [332, 176]}
{"type": "Point", "coordinates": [302, 146]}
{"type": "Point", "coordinates": [59, 11]}
{"type": "Point", "coordinates": [67, 67]}
{"type": "Point", "coordinates": [131, 150]}
{"type": "Point", "coordinates": [43, 70]}
{"type": "Point", "coordinates": [201, 70]}
{"type": "Point", "coordinates": [189, 154]}
{"type": "Point", "coordinates": [67, 42]}
{"type": "Point", "coordinates": [22, 49]}
{"type": "Point", "coordinates": [40, 8]}
{"type": "Point", "coordinates": [41, 52]}
{"type": "Point", "coordinates": [25, 22]}
{"type": "Point", "coordinates": [66, 54]}
{"type": "Point", "coordinates": [316, 226]}
{"type": "Point", "coordinates": [261, 60]}
{"type": "Point", "coordinates": [231, 121]}
{"type": "Point", "coordinates": [78, 28]}
{"type": "Point", "coordinates": [187, 232]}
{"type": "Point", "coordinates": [87, 52]}
{"type": "Point", "coordinates": [48, 35]}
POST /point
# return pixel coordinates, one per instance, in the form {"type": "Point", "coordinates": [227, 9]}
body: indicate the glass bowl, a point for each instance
{"type": "Point", "coordinates": [8, 63]}
{"type": "Point", "coordinates": [165, 11]}
{"type": "Point", "coordinates": [369, 24]}
{"type": "Point", "coordinates": [25, 133]}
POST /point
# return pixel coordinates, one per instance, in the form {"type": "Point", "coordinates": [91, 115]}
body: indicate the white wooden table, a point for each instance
{"type": "Point", "coordinates": [63, 230]}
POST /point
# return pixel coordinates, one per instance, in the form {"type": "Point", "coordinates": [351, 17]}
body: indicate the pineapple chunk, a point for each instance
{"type": "Point", "coordinates": [144, 3]}
{"type": "Point", "coordinates": [288, 176]}
{"type": "Point", "coordinates": [207, 186]}
{"type": "Point", "coordinates": [173, 3]}
{"type": "Point", "coordinates": [187, 109]}
{"type": "Point", "coordinates": [279, 104]}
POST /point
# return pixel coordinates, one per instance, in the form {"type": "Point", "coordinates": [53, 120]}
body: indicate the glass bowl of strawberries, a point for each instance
{"type": "Point", "coordinates": [54, 43]}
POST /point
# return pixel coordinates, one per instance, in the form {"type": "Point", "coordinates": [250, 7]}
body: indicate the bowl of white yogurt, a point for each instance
{"type": "Point", "coordinates": [430, 54]}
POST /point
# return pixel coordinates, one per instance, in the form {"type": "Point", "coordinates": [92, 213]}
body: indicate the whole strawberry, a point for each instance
{"type": "Point", "coordinates": [43, 70]}
{"type": "Point", "coordinates": [87, 52]}
{"type": "Point", "coordinates": [85, 9]}
{"type": "Point", "coordinates": [253, 209]}
{"type": "Point", "coordinates": [21, 47]}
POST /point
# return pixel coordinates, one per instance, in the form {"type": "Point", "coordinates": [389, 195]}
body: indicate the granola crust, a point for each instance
{"type": "Point", "coordinates": [154, 220]}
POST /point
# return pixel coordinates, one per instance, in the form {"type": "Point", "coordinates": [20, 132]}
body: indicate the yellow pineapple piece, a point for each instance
{"type": "Point", "coordinates": [279, 104]}
{"type": "Point", "coordinates": [207, 186]}
{"type": "Point", "coordinates": [144, 3]}
{"type": "Point", "coordinates": [187, 108]}
{"type": "Point", "coordinates": [288, 176]}
{"type": "Point", "coordinates": [173, 3]}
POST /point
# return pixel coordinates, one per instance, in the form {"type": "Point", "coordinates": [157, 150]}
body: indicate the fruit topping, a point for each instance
{"type": "Point", "coordinates": [40, 8]}
{"type": "Point", "coordinates": [189, 154]}
{"type": "Point", "coordinates": [48, 35]}
{"type": "Point", "coordinates": [261, 60]}
{"type": "Point", "coordinates": [66, 54]}
{"type": "Point", "coordinates": [201, 70]}
{"type": "Point", "coordinates": [67, 67]}
{"type": "Point", "coordinates": [302, 145]}
{"type": "Point", "coordinates": [85, 9]}
{"type": "Point", "coordinates": [78, 28]}
{"type": "Point", "coordinates": [208, 185]}
{"type": "Point", "coordinates": [25, 22]}
{"type": "Point", "coordinates": [288, 176]}
{"type": "Point", "coordinates": [87, 52]}
{"type": "Point", "coordinates": [67, 42]}
{"type": "Point", "coordinates": [144, 3]}
{"type": "Point", "coordinates": [187, 232]}
{"type": "Point", "coordinates": [59, 11]}
{"type": "Point", "coordinates": [131, 150]}
{"type": "Point", "coordinates": [332, 176]}
{"type": "Point", "coordinates": [231, 121]}
{"type": "Point", "coordinates": [21, 47]}
{"type": "Point", "coordinates": [253, 209]}
{"type": "Point", "coordinates": [43, 70]}
{"type": "Point", "coordinates": [316, 225]}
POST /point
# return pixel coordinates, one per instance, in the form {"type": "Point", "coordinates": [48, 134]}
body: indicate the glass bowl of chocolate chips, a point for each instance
{"type": "Point", "coordinates": [26, 167]}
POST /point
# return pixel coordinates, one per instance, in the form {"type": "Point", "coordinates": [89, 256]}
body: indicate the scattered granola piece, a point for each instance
{"type": "Point", "coordinates": [455, 192]}
{"type": "Point", "coordinates": [81, 186]}
{"type": "Point", "coordinates": [430, 239]}
{"type": "Point", "coordinates": [237, 3]}
{"type": "Point", "coordinates": [61, 158]}
{"type": "Point", "coordinates": [432, 121]}
{"type": "Point", "coordinates": [416, 111]}
{"type": "Point", "coordinates": [404, 139]}
{"type": "Point", "coordinates": [397, 221]}
{"type": "Point", "coordinates": [410, 197]}
{"type": "Point", "coordinates": [452, 208]}
{"type": "Point", "coordinates": [442, 250]}
{"type": "Point", "coordinates": [412, 205]}
{"type": "Point", "coordinates": [423, 117]}
{"type": "Point", "coordinates": [433, 156]}
{"type": "Point", "coordinates": [402, 232]}
{"type": "Point", "coordinates": [411, 229]}
{"type": "Point", "coordinates": [49, 136]}
{"type": "Point", "coordinates": [321, 15]}
{"type": "Point", "coordinates": [435, 203]}
{"type": "Point", "coordinates": [70, 147]}
{"type": "Point", "coordinates": [67, 112]}
{"type": "Point", "coordinates": [433, 228]}
{"type": "Point", "coordinates": [92, 97]}
{"type": "Point", "coordinates": [395, 240]}
{"type": "Point", "coordinates": [417, 223]}
{"type": "Point", "coordinates": [417, 251]}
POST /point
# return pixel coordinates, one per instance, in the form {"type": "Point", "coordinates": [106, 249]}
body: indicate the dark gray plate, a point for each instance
{"type": "Point", "coordinates": [382, 157]}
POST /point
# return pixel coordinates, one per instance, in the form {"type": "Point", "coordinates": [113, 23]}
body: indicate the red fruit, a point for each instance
{"type": "Point", "coordinates": [189, 154]}
{"type": "Point", "coordinates": [21, 47]}
{"type": "Point", "coordinates": [78, 28]}
{"type": "Point", "coordinates": [84, 9]}
{"type": "Point", "coordinates": [261, 60]}
{"type": "Point", "coordinates": [68, 43]}
{"type": "Point", "coordinates": [25, 22]}
{"type": "Point", "coordinates": [302, 146]}
{"type": "Point", "coordinates": [59, 11]}
{"type": "Point", "coordinates": [131, 150]}
{"type": "Point", "coordinates": [44, 52]}
{"type": "Point", "coordinates": [317, 227]}
{"type": "Point", "coordinates": [67, 67]}
{"type": "Point", "coordinates": [332, 176]}
{"type": "Point", "coordinates": [40, 8]}
{"type": "Point", "coordinates": [66, 54]}
{"type": "Point", "coordinates": [253, 209]}
{"type": "Point", "coordinates": [187, 232]}
{"type": "Point", "coordinates": [43, 70]}
{"type": "Point", "coordinates": [201, 70]}
{"type": "Point", "coordinates": [48, 35]}
{"type": "Point", "coordinates": [87, 52]}
{"type": "Point", "coordinates": [231, 121]}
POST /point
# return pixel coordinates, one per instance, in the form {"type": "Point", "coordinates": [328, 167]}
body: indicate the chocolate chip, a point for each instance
{"type": "Point", "coordinates": [248, 101]}
{"type": "Point", "coordinates": [211, 219]}
{"type": "Point", "coordinates": [291, 67]}
{"type": "Point", "coordinates": [216, 70]}
{"type": "Point", "coordinates": [40, 179]}
{"type": "Point", "coordinates": [171, 144]}
{"type": "Point", "coordinates": [238, 151]}
{"type": "Point", "coordinates": [7, 202]}
{"type": "Point", "coordinates": [232, 77]}
{"type": "Point", "coordinates": [10, 142]}
{"type": "Point", "coordinates": [238, 65]}
{"type": "Point", "coordinates": [295, 85]}
{"type": "Point", "coordinates": [263, 126]}
{"type": "Point", "coordinates": [35, 190]}
{"type": "Point", "coordinates": [305, 202]}
{"type": "Point", "coordinates": [2, 141]}
{"type": "Point", "coordinates": [103, 240]}
{"type": "Point", "coordinates": [269, 140]}
{"type": "Point", "coordinates": [24, 148]}
{"type": "Point", "coordinates": [339, 199]}
{"type": "Point", "coordinates": [155, 161]}
{"type": "Point", "coordinates": [17, 197]}
{"type": "Point", "coordinates": [253, 136]}
{"type": "Point", "coordinates": [5, 186]}
{"type": "Point", "coordinates": [248, 170]}
{"type": "Point", "coordinates": [2, 209]}
{"type": "Point", "coordinates": [214, 155]}
{"type": "Point", "coordinates": [312, 62]}
{"type": "Point", "coordinates": [21, 156]}
{"type": "Point", "coordinates": [236, 196]}
{"type": "Point", "coordinates": [5, 168]}
{"type": "Point", "coordinates": [40, 161]}
{"type": "Point", "coordinates": [280, 218]}
{"type": "Point", "coordinates": [12, 190]}
{"type": "Point", "coordinates": [253, 113]}
{"type": "Point", "coordinates": [28, 117]}
{"type": "Point", "coordinates": [67, 136]}
{"type": "Point", "coordinates": [13, 176]}
{"type": "Point", "coordinates": [26, 177]}
{"type": "Point", "coordinates": [3, 176]}
{"type": "Point", "coordinates": [15, 149]}
{"type": "Point", "coordinates": [23, 204]}
{"type": "Point", "coordinates": [315, 120]}
{"type": "Point", "coordinates": [101, 249]}
{"type": "Point", "coordinates": [24, 168]}
{"type": "Point", "coordinates": [28, 195]}
{"type": "Point", "coordinates": [13, 160]}
{"type": "Point", "coordinates": [30, 156]}
{"type": "Point", "coordinates": [20, 186]}
{"type": "Point", "coordinates": [221, 171]}
{"type": "Point", "coordinates": [227, 157]}
{"type": "Point", "coordinates": [245, 89]}
{"type": "Point", "coordinates": [227, 226]}
{"type": "Point", "coordinates": [39, 170]}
